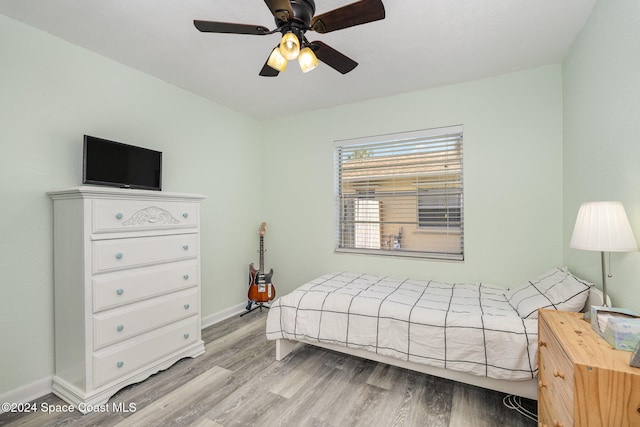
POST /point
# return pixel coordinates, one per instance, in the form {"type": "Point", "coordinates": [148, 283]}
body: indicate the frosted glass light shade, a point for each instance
{"type": "Point", "coordinates": [290, 46]}
{"type": "Point", "coordinates": [604, 227]}
{"type": "Point", "coordinates": [307, 60]}
{"type": "Point", "coordinates": [277, 61]}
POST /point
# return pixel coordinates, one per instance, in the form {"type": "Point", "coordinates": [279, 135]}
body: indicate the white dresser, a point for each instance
{"type": "Point", "coordinates": [127, 287]}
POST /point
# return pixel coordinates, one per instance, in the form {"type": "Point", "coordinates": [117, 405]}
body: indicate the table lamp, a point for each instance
{"type": "Point", "coordinates": [604, 227]}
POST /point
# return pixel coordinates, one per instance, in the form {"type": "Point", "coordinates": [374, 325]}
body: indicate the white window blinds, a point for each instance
{"type": "Point", "coordinates": [401, 194]}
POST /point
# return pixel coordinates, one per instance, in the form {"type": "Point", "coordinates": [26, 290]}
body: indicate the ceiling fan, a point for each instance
{"type": "Point", "coordinates": [293, 19]}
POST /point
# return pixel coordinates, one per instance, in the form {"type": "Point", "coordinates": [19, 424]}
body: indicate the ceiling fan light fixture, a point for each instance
{"type": "Point", "coordinates": [290, 46]}
{"type": "Point", "coordinates": [277, 61]}
{"type": "Point", "coordinates": [307, 60]}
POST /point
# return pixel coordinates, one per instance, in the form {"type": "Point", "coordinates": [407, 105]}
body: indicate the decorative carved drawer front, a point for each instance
{"type": "Point", "coordinates": [118, 216]}
{"type": "Point", "coordinates": [118, 254]}
{"type": "Point", "coordinates": [112, 363]}
{"type": "Point", "coordinates": [123, 323]}
{"type": "Point", "coordinates": [124, 287]}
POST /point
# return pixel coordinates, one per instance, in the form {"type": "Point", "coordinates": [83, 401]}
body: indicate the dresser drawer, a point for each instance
{"type": "Point", "coordinates": [136, 353]}
{"type": "Point", "coordinates": [120, 324]}
{"type": "Point", "coordinates": [132, 215]}
{"type": "Point", "coordinates": [124, 287]}
{"type": "Point", "coordinates": [118, 254]}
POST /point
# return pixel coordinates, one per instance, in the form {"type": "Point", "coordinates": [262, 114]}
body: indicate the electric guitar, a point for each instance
{"type": "Point", "coordinates": [260, 287]}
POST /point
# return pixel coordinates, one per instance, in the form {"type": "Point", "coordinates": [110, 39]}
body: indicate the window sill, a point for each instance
{"type": "Point", "coordinates": [401, 254]}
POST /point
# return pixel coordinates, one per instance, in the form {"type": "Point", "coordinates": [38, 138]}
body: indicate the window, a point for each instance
{"type": "Point", "coordinates": [401, 194]}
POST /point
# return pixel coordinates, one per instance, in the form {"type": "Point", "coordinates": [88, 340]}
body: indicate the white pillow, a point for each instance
{"type": "Point", "coordinates": [556, 289]}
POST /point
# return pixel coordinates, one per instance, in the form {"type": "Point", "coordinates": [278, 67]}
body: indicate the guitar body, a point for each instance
{"type": "Point", "coordinates": [260, 287]}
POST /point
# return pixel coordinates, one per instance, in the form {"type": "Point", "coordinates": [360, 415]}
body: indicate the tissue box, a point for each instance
{"type": "Point", "coordinates": [623, 333]}
{"type": "Point", "coordinates": [600, 316]}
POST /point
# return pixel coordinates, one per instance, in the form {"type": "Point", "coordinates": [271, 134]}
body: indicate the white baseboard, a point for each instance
{"type": "Point", "coordinates": [44, 386]}
{"type": "Point", "coordinates": [218, 317]}
{"type": "Point", "coordinates": [28, 392]}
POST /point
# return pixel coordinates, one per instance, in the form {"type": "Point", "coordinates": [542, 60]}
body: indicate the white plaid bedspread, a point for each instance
{"type": "Point", "coordinates": [463, 326]}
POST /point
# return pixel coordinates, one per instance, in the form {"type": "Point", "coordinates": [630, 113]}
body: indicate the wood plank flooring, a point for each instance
{"type": "Point", "coordinates": [238, 382]}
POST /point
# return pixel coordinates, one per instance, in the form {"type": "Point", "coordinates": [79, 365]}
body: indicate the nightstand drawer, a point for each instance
{"type": "Point", "coordinates": [556, 373]}
{"type": "Point", "coordinates": [112, 364]}
{"type": "Point", "coordinates": [125, 287]}
{"type": "Point", "coordinates": [544, 408]}
{"type": "Point", "coordinates": [117, 216]}
{"type": "Point", "coordinates": [119, 254]}
{"type": "Point", "coordinates": [120, 324]}
{"type": "Point", "coordinates": [551, 413]}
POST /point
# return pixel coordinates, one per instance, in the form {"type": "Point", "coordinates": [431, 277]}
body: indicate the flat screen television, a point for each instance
{"type": "Point", "coordinates": [120, 165]}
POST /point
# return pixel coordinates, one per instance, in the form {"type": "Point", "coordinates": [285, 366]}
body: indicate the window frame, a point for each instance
{"type": "Point", "coordinates": [441, 181]}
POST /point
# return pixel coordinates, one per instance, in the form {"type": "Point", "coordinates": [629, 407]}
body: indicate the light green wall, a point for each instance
{"type": "Point", "coordinates": [51, 93]}
{"type": "Point", "coordinates": [602, 136]}
{"type": "Point", "coordinates": [512, 175]}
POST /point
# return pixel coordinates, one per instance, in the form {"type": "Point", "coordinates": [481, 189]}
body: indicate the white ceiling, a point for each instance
{"type": "Point", "coordinates": [420, 44]}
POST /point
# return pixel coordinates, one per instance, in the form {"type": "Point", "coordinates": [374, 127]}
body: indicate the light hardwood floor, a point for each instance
{"type": "Point", "coordinates": [238, 382]}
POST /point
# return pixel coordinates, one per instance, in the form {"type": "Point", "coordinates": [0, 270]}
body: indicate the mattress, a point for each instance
{"type": "Point", "coordinates": [467, 327]}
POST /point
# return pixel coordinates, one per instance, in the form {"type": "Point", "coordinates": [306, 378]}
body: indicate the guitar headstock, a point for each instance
{"type": "Point", "coordinates": [263, 228]}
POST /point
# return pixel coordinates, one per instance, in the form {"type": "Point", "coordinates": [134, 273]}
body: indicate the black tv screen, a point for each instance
{"type": "Point", "coordinates": [121, 165]}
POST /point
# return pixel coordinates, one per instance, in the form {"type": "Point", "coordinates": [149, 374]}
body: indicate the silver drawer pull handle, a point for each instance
{"type": "Point", "coordinates": [185, 277]}
{"type": "Point", "coordinates": [185, 247]}
{"type": "Point", "coordinates": [185, 215]}
{"type": "Point", "coordinates": [186, 306]}
{"type": "Point", "coordinates": [120, 291]}
{"type": "Point", "coordinates": [120, 364]}
{"type": "Point", "coordinates": [186, 336]}
{"type": "Point", "coordinates": [119, 215]}
{"type": "Point", "coordinates": [120, 328]}
{"type": "Point", "coordinates": [119, 255]}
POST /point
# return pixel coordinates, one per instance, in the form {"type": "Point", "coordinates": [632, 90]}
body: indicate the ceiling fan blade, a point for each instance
{"type": "Point", "coordinates": [267, 71]}
{"type": "Point", "coordinates": [281, 9]}
{"type": "Point", "coordinates": [230, 28]}
{"type": "Point", "coordinates": [333, 58]}
{"type": "Point", "coordinates": [347, 16]}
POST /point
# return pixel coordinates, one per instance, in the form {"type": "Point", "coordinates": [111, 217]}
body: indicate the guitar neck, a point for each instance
{"type": "Point", "coordinates": [261, 270]}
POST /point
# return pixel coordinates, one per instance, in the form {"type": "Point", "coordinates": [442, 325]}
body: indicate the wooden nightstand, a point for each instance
{"type": "Point", "coordinates": [582, 380]}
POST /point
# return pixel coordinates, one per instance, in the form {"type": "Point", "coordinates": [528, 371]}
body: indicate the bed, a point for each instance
{"type": "Point", "coordinates": [469, 332]}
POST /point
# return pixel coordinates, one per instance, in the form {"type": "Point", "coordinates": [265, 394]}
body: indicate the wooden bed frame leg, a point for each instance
{"type": "Point", "coordinates": [284, 347]}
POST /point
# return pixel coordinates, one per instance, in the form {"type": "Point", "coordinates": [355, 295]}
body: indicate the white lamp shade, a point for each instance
{"type": "Point", "coordinates": [604, 227]}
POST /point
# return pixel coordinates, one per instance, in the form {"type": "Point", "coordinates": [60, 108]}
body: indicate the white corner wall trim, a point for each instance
{"type": "Point", "coordinates": [41, 387]}
{"type": "Point", "coordinates": [26, 393]}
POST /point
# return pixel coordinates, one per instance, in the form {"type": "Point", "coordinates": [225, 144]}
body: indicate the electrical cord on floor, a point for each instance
{"type": "Point", "coordinates": [514, 402]}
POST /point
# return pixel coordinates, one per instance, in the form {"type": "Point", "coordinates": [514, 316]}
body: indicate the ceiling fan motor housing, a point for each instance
{"type": "Point", "coordinates": [300, 22]}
